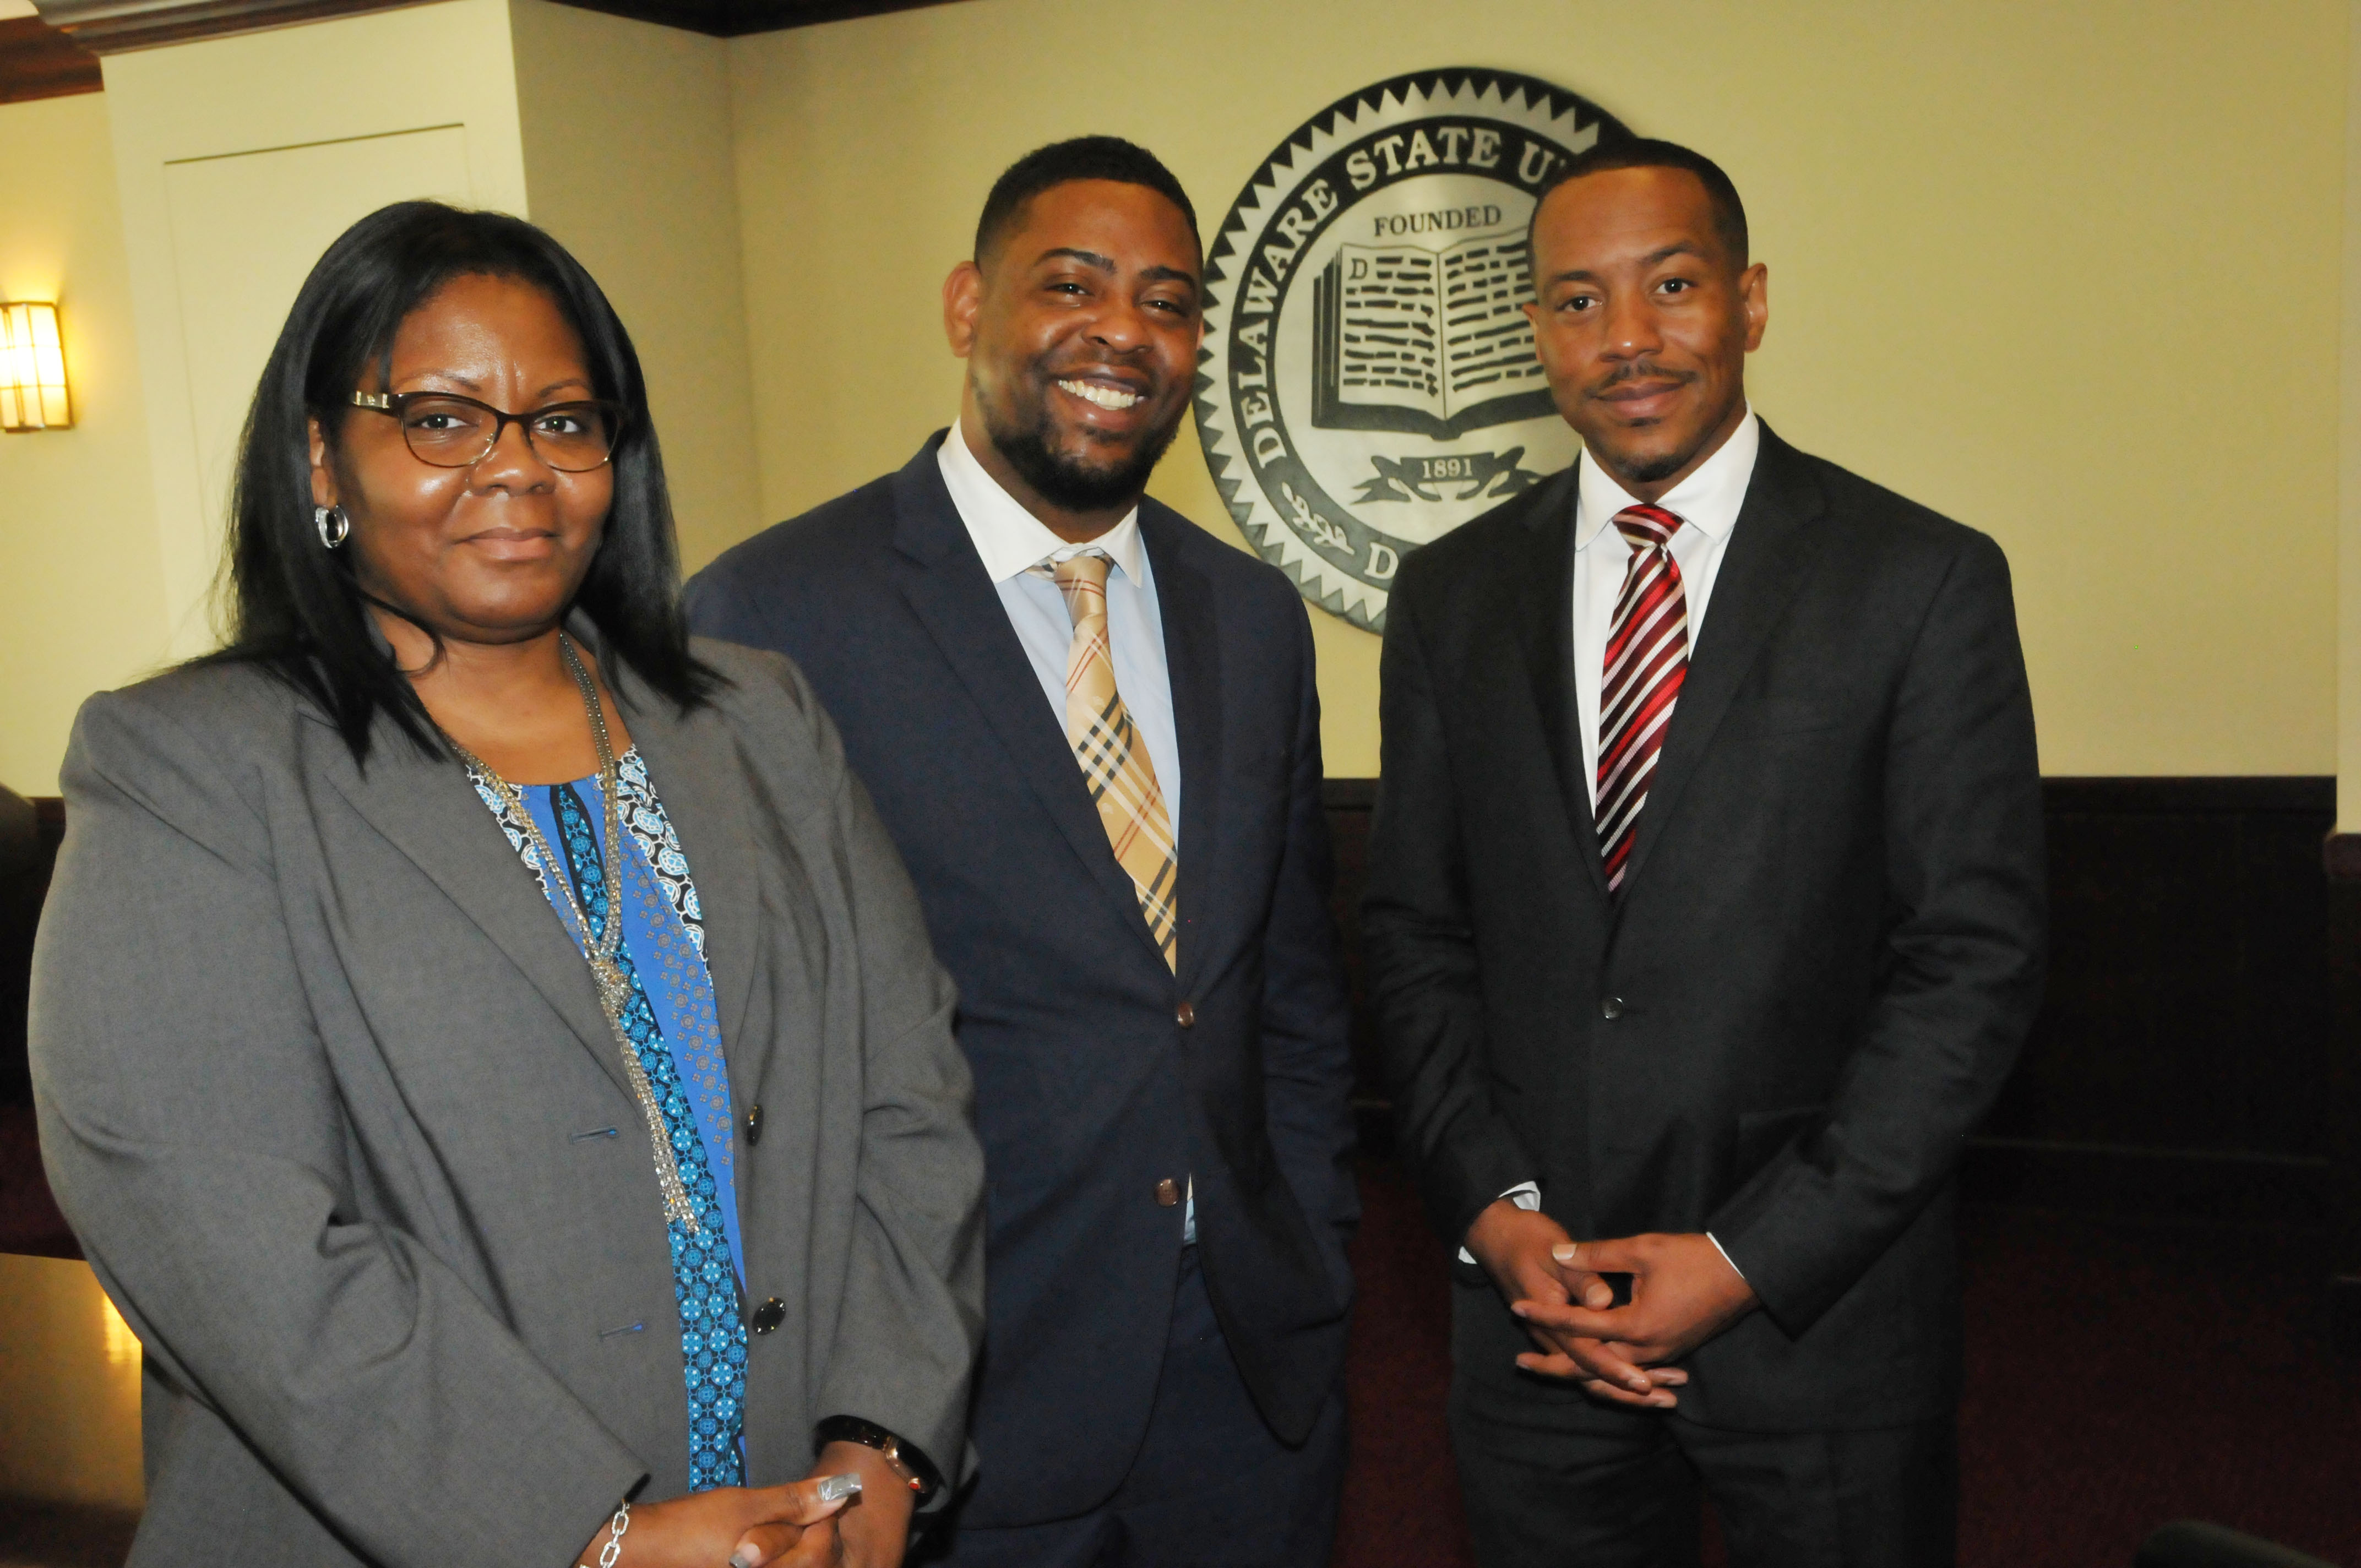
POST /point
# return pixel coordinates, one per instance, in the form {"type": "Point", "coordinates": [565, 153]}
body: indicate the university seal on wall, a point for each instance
{"type": "Point", "coordinates": [1368, 382]}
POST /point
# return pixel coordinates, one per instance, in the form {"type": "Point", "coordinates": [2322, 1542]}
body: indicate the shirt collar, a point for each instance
{"type": "Point", "coordinates": [1707, 500]}
{"type": "Point", "coordinates": [1011, 540]}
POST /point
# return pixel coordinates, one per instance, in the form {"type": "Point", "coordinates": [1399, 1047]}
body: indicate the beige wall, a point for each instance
{"type": "Point", "coordinates": [2059, 271]}
{"type": "Point", "coordinates": [234, 162]}
{"type": "Point", "coordinates": [2055, 270]}
{"type": "Point", "coordinates": [240, 159]}
{"type": "Point", "coordinates": [81, 587]}
{"type": "Point", "coordinates": [627, 159]}
{"type": "Point", "coordinates": [2348, 551]}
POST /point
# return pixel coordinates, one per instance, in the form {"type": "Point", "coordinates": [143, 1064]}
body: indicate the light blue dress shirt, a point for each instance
{"type": "Point", "coordinates": [1012, 542]}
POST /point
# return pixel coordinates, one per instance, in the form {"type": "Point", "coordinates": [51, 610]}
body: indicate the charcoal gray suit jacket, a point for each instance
{"type": "Point", "coordinates": [1826, 952]}
{"type": "Point", "coordinates": [327, 1094]}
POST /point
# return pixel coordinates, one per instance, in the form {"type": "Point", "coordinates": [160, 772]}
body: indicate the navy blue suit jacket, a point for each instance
{"type": "Point", "coordinates": [1090, 1089]}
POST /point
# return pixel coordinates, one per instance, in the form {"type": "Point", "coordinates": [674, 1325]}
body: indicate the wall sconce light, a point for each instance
{"type": "Point", "coordinates": [32, 369]}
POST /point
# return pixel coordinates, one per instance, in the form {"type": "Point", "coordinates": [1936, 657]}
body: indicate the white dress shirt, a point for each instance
{"type": "Point", "coordinates": [1708, 503]}
{"type": "Point", "coordinates": [1012, 542]}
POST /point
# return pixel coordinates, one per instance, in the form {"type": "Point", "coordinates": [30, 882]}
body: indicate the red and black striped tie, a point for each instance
{"type": "Point", "coordinates": [1647, 659]}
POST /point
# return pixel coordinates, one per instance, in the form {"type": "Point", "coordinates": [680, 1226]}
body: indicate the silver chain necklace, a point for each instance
{"type": "Point", "coordinates": [614, 985]}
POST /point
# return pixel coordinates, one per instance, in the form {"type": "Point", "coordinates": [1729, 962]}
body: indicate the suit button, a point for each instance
{"type": "Point", "coordinates": [754, 1124]}
{"type": "Point", "coordinates": [1167, 1192]}
{"type": "Point", "coordinates": [1612, 1008]}
{"type": "Point", "coordinates": [769, 1316]}
{"type": "Point", "coordinates": [1185, 1015]}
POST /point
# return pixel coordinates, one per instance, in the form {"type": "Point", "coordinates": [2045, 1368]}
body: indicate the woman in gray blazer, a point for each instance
{"type": "Point", "coordinates": [486, 1043]}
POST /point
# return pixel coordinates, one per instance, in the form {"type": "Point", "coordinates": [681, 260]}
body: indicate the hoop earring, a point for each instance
{"type": "Point", "coordinates": [327, 518]}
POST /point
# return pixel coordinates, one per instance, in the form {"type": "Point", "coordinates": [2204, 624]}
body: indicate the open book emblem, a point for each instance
{"type": "Point", "coordinates": [1368, 380]}
{"type": "Point", "coordinates": [1433, 342]}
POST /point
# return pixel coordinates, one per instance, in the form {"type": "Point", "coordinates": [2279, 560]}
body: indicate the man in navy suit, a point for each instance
{"type": "Point", "coordinates": [1092, 728]}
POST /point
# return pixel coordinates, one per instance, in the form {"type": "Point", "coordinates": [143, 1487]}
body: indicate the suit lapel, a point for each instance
{"type": "Point", "coordinates": [1543, 587]}
{"type": "Point", "coordinates": [425, 808]}
{"type": "Point", "coordinates": [943, 581]}
{"type": "Point", "coordinates": [1767, 556]}
{"type": "Point", "coordinates": [1193, 661]}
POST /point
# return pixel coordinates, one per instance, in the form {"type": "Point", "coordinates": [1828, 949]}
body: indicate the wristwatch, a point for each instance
{"type": "Point", "coordinates": [908, 1463]}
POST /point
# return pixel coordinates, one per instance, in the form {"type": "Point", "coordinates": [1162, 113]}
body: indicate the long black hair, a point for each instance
{"type": "Point", "coordinates": [297, 610]}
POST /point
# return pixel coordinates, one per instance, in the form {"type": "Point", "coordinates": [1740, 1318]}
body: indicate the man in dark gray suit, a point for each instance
{"type": "Point", "coordinates": [1712, 939]}
{"type": "Point", "coordinates": [1093, 730]}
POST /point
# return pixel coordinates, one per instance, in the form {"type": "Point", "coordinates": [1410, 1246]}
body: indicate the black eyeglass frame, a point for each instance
{"type": "Point", "coordinates": [396, 404]}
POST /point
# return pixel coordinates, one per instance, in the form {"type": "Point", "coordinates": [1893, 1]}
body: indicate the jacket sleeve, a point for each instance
{"type": "Point", "coordinates": [1966, 886]}
{"type": "Point", "coordinates": [1419, 942]}
{"type": "Point", "coordinates": [195, 1136]}
{"type": "Point", "coordinates": [1306, 1023]}
{"type": "Point", "coordinates": [912, 1318]}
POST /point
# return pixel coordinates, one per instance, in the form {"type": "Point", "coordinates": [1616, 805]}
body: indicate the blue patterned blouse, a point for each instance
{"type": "Point", "coordinates": [671, 1022]}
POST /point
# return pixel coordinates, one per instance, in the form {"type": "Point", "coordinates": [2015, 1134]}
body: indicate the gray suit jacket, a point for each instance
{"type": "Point", "coordinates": [326, 1093]}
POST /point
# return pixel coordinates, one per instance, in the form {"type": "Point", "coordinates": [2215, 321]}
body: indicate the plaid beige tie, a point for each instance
{"type": "Point", "coordinates": [1114, 759]}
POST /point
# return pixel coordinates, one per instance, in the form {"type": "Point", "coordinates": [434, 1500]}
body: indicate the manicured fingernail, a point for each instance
{"type": "Point", "coordinates": [1640, 1383]}
{"type": "Point", "coordinates": [836, 1488]}
{"type": "Point", "coordinates": [1519, 1308]}
{"type": "Point", "coordinates": [742, 1558]}
{"type": "Point", "coordinates": [1565, 1252]}
{"type": "Point", "coordinates": [1597, 1295]}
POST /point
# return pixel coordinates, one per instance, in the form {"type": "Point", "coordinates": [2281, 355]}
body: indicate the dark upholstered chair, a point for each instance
{"type": "Point", "coordinates": [24, 860]}
{"type": "Point", "coordinates": [2189, 1544]}
{"type": "Point", "coordinates": [29, 1220]}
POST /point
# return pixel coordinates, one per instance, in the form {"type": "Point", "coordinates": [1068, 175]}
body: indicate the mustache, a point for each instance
{"type": "Point", "coordinates": [1640, 370]}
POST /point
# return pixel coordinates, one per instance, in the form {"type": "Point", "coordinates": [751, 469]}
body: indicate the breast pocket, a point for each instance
{"type": "Point", "coordinates": [1796, 715]}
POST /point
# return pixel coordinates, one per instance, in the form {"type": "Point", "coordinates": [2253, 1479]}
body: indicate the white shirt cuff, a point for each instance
{"type": "Point", "coordinates": [1724, 1255]}
{"type": "Point", "coordinates": [1525, 1195]}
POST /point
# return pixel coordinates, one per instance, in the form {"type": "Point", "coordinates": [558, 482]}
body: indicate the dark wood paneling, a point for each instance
{"type": "Point", "coordinates": [2188, 1006]}
{"type": "Point", "coordinates": [2181, 1064]}
{"type": "Point", "coordinates": [107, 26]}
{"type": "Point", "coordinates": [2182, 1060]}
{"type": "Point", "coordinates": [2342, 857]}
{"type": "Point", "coordinates": [37, 61]}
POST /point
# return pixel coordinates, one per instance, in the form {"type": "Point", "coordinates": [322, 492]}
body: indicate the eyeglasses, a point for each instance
{"type": "Point", "coordinates": [453, 431]}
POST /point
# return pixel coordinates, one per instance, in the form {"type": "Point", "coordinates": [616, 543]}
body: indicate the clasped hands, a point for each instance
{"type": "Point", "coordinates": [775, 1526]}
{"type": "Point", "coordinates": [1682, 1293]}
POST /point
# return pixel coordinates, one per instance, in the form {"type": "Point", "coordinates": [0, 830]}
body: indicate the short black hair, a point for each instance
{"type": "Point", "coordinates": [1646, 152]}
{"type": "Point", "coordinates": [1080, 158]}
{"type": "Point", "coordinates": [296, 608]}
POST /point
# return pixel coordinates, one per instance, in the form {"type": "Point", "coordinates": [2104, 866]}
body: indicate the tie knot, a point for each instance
{"type": "Point", "coordinates": [1089, 568]}
{"type": "Point", "coordinates": [1646, 527]}
{"type": "Point", "coordinates": [1082, 580]}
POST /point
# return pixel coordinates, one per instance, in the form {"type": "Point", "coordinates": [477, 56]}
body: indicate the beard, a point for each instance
{"type": "Point", "coordinates": [1651, 470]}
{"type": "Point", "coordinates": [1070, 481]}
